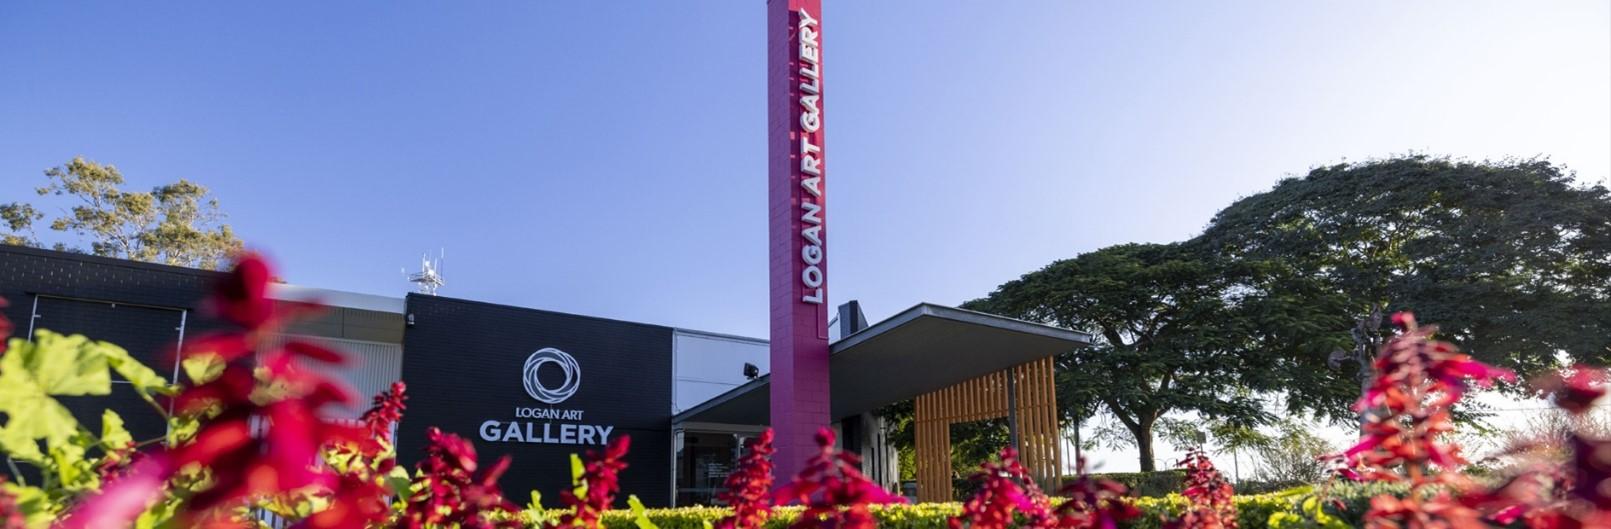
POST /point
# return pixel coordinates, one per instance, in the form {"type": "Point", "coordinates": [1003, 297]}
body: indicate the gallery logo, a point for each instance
{"type": "Point", "coordinates": [566, 363]}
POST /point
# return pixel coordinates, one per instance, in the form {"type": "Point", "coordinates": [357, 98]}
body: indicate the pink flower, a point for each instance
{"type": "Point", "coordinates": [5, 326]}
{"type": "Point", "coordinates": [242, 296]}
{"type": "Point", "coordinates": [453, 494]}
{"type": "Point", "coordinates": [386, 411]}
{"type": "Point", "coordinates": [1210, 494]}
{"type": "Point", "coordinates": [835, 493]}
{"type": "Point", "coordinates": [749, 488]}
{"type": "Point", "coordinates": [1005, 490]}
{"type": "Point", "coordinates": [601, 476]}
{"type": "Point", "coordinates": [1577, 390]}
{"type": "Point", "coordinates": [1093, 503]}
{"type": "Point", "coordinates": [119, 502]}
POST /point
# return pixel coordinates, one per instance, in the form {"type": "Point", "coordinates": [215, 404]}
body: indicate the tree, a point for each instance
{"type": "Point", "coordinates": [176, 224]}
{"type": "Point", "coordinates": [1162, 321]}
{"type": "Point", "coordinates": [1294, 456]}
{"type": "Point", "coordinates": [1511, 258]}
{"type": "Point", "coordinates": [1217, 436]}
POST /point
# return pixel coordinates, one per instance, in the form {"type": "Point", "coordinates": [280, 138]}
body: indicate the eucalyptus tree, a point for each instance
{"type": "Point", "coordinates": [178, 223]}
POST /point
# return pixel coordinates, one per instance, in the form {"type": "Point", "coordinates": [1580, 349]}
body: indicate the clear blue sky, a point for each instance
{"type": "Point", "coordinates": [609, 158]}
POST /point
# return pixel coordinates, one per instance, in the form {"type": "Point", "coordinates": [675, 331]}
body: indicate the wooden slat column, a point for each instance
{"type": "Point", "coordinates": [984, 398]}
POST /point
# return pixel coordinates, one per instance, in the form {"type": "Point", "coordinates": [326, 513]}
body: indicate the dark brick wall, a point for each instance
{"type": "Point", "coordinates": [463, 363]}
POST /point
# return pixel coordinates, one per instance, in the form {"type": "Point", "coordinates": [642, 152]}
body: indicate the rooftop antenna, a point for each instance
{"type": "Point", "coordinates": [429, 278]}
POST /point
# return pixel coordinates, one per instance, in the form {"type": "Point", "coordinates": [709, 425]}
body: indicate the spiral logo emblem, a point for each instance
{"type": "Point", "coordinates": [566, 362]}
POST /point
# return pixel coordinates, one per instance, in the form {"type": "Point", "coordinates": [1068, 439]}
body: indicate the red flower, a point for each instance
{"type": "Point", "coordinates": [599, 484]}
{"type": "Point", "coordinates": [5, 326]}
{"type": "Point", "coordinates": [11, 516]}
{"type": "Point", "coordinates": [242, 296]}
{"type": "Point", "coordinates": [359, 502]}
{"type": "Point", "coordinates": [835, 493]}
{"type": "Point", "coordinates": [1210, 494]}
{"type": "Point", "coordinates": [283, 457]}
{"type": "Point", "coordinates": [1093, 503]}
{"type": "Point", "coordinates": [386, 411]}
{"type": "Point", "coordinates": [453, 493]}
{"type": "Point", "coordinates": [749, 488]}
{"type": "Point", "coordinates": [118, 503]}
{"type": "Point", "coordinates": [1005, 490]}
{"type": "Point", "coordinates": [1577, 391]}
{"type": "Point", "coordinates": [1417, 381]}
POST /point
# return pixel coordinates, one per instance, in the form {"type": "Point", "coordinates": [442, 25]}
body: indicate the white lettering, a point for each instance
{"type": "Point", "coordinates": [805, 19]}
{"type": "Point", "coordinates": [812, 213]}
{"type": "Point", "coordinates": [584, 434]}
{"type": "Point", "coordinates": [809, 53]}
{"type": "Point", "coordinates": [810, 165]}
{"type": "Point", "coordinates": [811, 276]}
{"type": "Point", "coordinates": [489, 431]}
{"type": "Point", "coordinates": [567, 434]}
{"type": "Point", "coordinates": [813, 235]}
{"type": "Point", "coordinates": [512, 433]}
{"type": "Point", "coordinates": [811, 253]}
{"type": "Point", "coordinates": [809, 61]}
{"type": "Point", "coordinates": [810, 121]}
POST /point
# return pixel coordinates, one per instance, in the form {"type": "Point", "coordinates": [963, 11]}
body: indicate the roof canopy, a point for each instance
{"type": "Point", "coordinates": [922, 349]}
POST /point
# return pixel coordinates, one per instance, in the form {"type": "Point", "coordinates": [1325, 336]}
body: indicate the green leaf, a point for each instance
{"type": "Point", "coordinates": [113, 435]}
{"type": "Point", "coordinates": [181, 428]}
{"type": "Point", "coordinates": [579, 487]}
{"type": "Point", "coordinates": [145, 380]}
{"type": "Point", "coordinates": [639, 515]}
{"type": "Point", "coordinates": [30, 372]}
{"type": "Point", "coordinates": [32, 414]}
{"type": "Point", "coordinates": [64, 365]}
{"type": "Point", "coordinates": [536, 501]}
{"type": "Point", "coordinates": [397, 480]}
{"type": "Point", "coordinates": [202, 368]}
{"type": "Point", "coordinates": [32, 503]}
{"type": "Point", "coordinates": [21, 447]}
{"type": "Point", "coordinates": [73, 471]}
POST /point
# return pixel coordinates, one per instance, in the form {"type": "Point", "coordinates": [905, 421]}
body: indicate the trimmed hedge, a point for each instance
{"type": "Point", "coordinates": [1145, 484]}
{"type": "Point", "coordinates": [1254, 511]}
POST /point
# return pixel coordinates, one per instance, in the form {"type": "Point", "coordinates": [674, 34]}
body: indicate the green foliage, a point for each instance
{"type": "Point", "coordinates": [1164, 327]}
{"type": "Point", "coordinates": [1301, 507]}
{"type": "Point", "coordinates": [1294, 456]}
{"type": "Point", "coordinates": [1309, 514]}
{"type": "Point", "coordinates": [1145, 484]}
{"type": "Point", "coordinates": [52, 365]}
{"type": "Point", "coordinates": [1511, 258]}
{"type": "Point", "coordinates": [177, 224]}
{"type": "Point", "coordinates": [41, 432]}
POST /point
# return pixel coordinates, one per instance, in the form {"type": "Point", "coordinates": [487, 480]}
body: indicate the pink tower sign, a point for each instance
{"type": "Point", "coordinates": [798, 241]}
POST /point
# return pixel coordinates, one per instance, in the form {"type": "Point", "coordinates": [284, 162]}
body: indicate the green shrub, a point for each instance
{"type": "Point", "coordinates": [920, 516]}
{"type": "Point", "coordinates": [1253, 510]}
{"type": "Point", "coordinates": [1146, 484]}
{"type": "Point", "coordinates": [1264, 487]}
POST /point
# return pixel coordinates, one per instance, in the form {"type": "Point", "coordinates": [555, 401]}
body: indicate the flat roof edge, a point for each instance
{"type": "Point", "coordinates": [741, 389]}
{"type": "Point", "coordinates": [962, 315]}
{"type": "Point", "coordinates": [336, 298]}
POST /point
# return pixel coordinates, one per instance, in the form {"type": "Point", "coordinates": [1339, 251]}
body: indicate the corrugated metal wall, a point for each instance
{"type": "Point", "coordinates": [371, 368]}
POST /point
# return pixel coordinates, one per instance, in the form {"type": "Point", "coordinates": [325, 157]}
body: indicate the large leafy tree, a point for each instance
{"type": "Point", "coordinates": [177, 224]}
{"type": "Point", "coordinates": [1166, 339]}
{"type": "Point", "coordinates": [1511, 259]}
